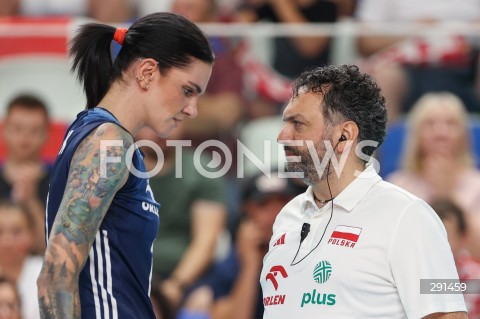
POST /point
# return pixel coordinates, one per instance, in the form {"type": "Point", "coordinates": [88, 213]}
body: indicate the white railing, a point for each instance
{"type": "Point", "coordinates": [263, 29]}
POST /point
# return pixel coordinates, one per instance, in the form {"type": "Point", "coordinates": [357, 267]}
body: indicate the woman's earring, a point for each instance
{"type": "Point", "coordinates": [143, 78]}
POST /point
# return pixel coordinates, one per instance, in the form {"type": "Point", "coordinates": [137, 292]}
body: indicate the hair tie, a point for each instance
{"type": "Point", "coordinates": [119, 35]}
{"type": "Point", "coordinates": [117, 42]}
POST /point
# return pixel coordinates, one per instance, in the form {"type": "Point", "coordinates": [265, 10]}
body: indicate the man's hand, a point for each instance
{"type": "Point", "coordinates": [173, 290]}
{"type": "Point", "coordinates": [25, 179]}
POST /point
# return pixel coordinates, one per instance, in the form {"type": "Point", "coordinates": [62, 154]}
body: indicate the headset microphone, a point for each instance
{"type": "Point", "coordinates": [306, 226]}
{"type": "Point", "coordinates": [305, 231]}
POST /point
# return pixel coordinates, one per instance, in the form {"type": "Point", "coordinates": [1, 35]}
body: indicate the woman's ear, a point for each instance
{"type": "Point", "coordinates": [144, 72]}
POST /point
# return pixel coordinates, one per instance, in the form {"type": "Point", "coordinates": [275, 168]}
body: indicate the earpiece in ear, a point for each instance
{"type": "Point", "coordinates": [342, 138]}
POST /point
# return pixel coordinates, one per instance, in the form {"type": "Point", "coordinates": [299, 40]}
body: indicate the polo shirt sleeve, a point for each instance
{"type": "Point", "coordinates": [420, 250]}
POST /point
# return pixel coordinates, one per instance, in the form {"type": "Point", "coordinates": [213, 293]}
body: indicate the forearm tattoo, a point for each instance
{"type": "Point", "coordinates": [86, 200]}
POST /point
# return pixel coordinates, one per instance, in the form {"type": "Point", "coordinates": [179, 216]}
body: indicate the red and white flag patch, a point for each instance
{"type": "Point", "coordinates": [345, 236]}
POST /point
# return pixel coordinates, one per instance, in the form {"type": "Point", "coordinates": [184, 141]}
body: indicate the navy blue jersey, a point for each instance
{"type": "Point", "coordinates": [115, 281]}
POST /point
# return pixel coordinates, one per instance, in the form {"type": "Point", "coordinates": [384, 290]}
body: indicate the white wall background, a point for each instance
{"type": "Point", "coordinates": [46, 77]}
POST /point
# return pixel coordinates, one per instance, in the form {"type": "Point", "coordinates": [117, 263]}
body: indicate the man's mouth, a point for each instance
{"type": "Point", "coordinates": [290, 151]}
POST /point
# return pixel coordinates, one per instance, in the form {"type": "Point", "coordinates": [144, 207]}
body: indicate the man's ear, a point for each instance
{"type": "Point", "coordinates": [347, 136]}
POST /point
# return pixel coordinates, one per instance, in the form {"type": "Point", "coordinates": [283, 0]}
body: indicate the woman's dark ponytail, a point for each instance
{"type": "Point", "coordinates": [90, 50]}
{"type": "Point", "coordinates": [168, 38]}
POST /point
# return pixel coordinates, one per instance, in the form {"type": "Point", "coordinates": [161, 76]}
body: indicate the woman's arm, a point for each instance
{"type": "Point", "coordinates": [91, 186]}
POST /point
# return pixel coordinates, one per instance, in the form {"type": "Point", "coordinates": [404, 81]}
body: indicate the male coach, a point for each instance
{"type": "Point", "coordinates": [354, 246]}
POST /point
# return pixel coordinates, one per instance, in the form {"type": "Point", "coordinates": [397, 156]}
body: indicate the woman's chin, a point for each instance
{"type": "Point", "coordinates": [165, 133]}
{"type": "Point", "coordinates": [166, 130]}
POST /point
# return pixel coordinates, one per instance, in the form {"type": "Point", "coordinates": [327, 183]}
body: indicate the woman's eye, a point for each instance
{"type": "Point", "coordinates": [187, 91]}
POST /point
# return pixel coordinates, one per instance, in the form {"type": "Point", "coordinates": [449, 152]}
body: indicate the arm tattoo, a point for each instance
{"type": "Point", "coordinates": [85, 202]}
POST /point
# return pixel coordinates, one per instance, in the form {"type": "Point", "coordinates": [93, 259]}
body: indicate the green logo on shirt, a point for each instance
{"type": "Point", "coordinates": [322, 271]}
{"type": "Point", "coordinates": [317, 298]}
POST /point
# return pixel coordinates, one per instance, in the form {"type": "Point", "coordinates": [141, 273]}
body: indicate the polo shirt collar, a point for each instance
{"type": "Point", "coordinates": [352, 194]}
{"type": "Point", "coordinates": [358, 188]}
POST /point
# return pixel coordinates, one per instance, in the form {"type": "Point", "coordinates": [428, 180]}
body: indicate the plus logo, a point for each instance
{"type": "Point", "coordinates": [272, 274]}
{"type": "Point", "coordinates": [321, 274]}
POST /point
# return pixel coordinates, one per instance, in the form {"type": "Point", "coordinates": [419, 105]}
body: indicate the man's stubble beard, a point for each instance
{"type": "Point", "coordinates": [311, 175]}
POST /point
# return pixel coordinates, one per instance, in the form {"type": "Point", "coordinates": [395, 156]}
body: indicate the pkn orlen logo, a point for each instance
{"type": "Point", "coordinates": [272, 277]}
{"type": "Point", "coordinates": [321, 274]}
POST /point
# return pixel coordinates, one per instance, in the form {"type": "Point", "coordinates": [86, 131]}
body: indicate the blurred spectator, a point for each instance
{"type": "Point", "coordinates": [198, 11]}
{"type": "Point", "coordinates": [234, 281]}
{"type": "Point", "coordinates": [192, 214]}
{"type": "Point", "coordinates": [346, 8]}
{"type": "Point", "coordinates": [16, 239]}
{"type": "Point", "coordinates": [407, 67]}
{"type": "Point", "coordinates": [293, 55]}
{"type": "Point", "coordinates": [266, 89]}
{"type": "Point", "coordinates": [222, 105]}
{"type": "Point", "coordinates": [24, 178]}
{"type": "Point", "coordinates": [9, 7]}
{"type": "Point", "coordinates": [112, 11]}
{"type": "Point", "coordinates": [161, 305]}
{"type": "Point", "coordinates": [9, 300]}
{"type": "Point", "coordinates": [438, 162]}
{"type": "Point", "coordinates": [467, 265]}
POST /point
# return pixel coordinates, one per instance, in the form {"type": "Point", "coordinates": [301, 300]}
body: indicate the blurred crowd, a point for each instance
{"type": "Point", "coordinates": [215, 231]}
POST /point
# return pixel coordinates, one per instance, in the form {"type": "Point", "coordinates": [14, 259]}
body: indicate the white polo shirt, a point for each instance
{"type": "Point", "coordinates": [380, 242]}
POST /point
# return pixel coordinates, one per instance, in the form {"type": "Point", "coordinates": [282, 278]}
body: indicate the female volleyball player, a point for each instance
{"type": "Point", "coordinates": [101, 217]}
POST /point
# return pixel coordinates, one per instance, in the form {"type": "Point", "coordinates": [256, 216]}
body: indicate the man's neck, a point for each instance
{"type": "Point", "coordinates": [330, 187]}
